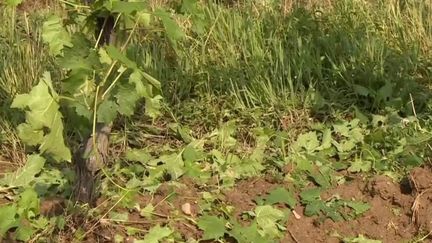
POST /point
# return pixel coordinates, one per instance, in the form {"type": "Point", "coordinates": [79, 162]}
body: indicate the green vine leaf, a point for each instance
{"type": "Point", "coordinates": [147, 211]}
{"type": "Point", "coordinates": [8, 221]}
{"type": "Point", "coordinates": [115, 54]}
{"type": "Point", "coordinates": [174, 164]}
{"type": "Point", "coordinates": [13, 3]}
{"type": "Point", "coordinates": [127, 8]}
{"type": "Point", "coordinates": [107, 111]}
{"type": "Point", "coordinates": [143, 89]}
{"type": "Point", "coordinates": [281, 195]}
{"type": "Point", "coordinates": [81, 62]}
{"type": "Point", "coordinates": [358, 207]}
{"type": "Point", "coordinates": [267, 218]}
{"type": "Point", "coordinates": [248, 234]}
{"type": "Point", "coordinates": [360, 239]}
{"type": "Point", "coordinates": [44, 125]}
{"type": "Point", "coordinates": [213, 227]}
{"type": "Point", "coordinates": [28, 205]}
{"type": "Point", "coordinates": [23, 176]}
{"type": "Point", "coordinates": [153, 106]}
{"type": "Point", "coordinates": [24, 232]}
{"type": "Point", "coordinates": [55, 35]}
{"type": "Point", "coordinates": [126, 99]}
{"type": "Point", "coordinates": [173, 31]}
{"type": "Point", "coordinates": [156, 234]}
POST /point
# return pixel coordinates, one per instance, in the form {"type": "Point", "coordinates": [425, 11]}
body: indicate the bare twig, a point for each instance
{"type": "Point", "coordinates": [293, 237]}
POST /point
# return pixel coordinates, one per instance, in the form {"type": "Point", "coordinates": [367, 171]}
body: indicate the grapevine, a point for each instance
{"type": "Point", "coordinates": [101, 83]}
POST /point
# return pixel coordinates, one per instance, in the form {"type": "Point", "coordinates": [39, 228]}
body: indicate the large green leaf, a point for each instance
{"type": "Point", "coordinates": [138, 74]}
{"type": "Point", "coordinates": [24, 232]}
{"type": "Point", "coordinates": [126, 99]}
{"type": "Point", "coordinates": [140, 155]}
{"type": "Point", "coordinates": [23, 176]}
{"type": "Point", "coordinates": [128, 8]}
{"type": "Point", "coordinates": [153, 106]}
{"type": "Point", "coordinates": [173, 164]}
{"type": "Point", "coordinates": [174, 32]}
{"type": "Point", "coordinates": [107, 111]}
{"type": "Point", "coordinates": [307, 141]}
{"type": "Point", "coordinates": [360, 239]}
{"type": "Point", "coordinates": [82, 62]}
{"type": "Point", "coordinates": [115, 54]}
{"type": "Point", "coordinates": [44, 125]}
{"type": "Point", "coordinates": [248, 234]}
{"type": "Point", "coordinates": [267, 218]}
{"type": "Point", "coordinates": [213, 227]}
{"type": "Point", "coordinates": [145, 90]}
{"type": "Point", "coordinates": [55, 35]}
{"type": "Point", "coordinates": [13, 3]}
{"type": "Point", "coordinates": [28, 204]}
{"type": "Point", "coordinates": [156, 234]}
{"type": "Point", "coordinates": [281, 195]}
{"type": "Point", "coordinates": [8, 220]}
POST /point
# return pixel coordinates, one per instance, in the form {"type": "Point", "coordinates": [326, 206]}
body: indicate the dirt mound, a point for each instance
{"type": "Point", "coordinates": [421, 183]}
{"type": "Point", "coordinates": [399, 212]}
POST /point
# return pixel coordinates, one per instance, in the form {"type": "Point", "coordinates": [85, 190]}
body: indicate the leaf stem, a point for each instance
{"type": "Point", "coordinates": [108, 73]}
{"type": "Point", "coordinates": [94, 117]}
{"type": "Point", "coordinates": [103, 29]}
{"type": "Point", "coordinates": [129, 37]}
{"type": "Point", "coordinates": [66, 98]}
{"type": "Point", "coordinates": [115, 62]}
{"type": "Point", "coordinates": [73, 4]}
{"type": "Point", "coordinates": [113, 83]}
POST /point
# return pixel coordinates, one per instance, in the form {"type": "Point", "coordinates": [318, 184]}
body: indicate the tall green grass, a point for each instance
{"type": "Point", "coordinates": [370, 53]}
{"type": "Point", "coordinates": [23, 57]}
{"type": "Point", "coordinates": [373, 54]}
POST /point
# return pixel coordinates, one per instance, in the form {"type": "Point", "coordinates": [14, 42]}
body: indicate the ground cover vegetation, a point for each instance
{"type": "Point", "coordinates": [228, 121]}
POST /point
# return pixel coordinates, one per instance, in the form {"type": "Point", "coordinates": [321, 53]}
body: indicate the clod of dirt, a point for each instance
{"type": "Point", "coordinates": [245, 192]}
{"type": "Point", "coordinates": [52, 207]}
{"type": "Point", "coordinates": [383, 187]}
{"type": "Point", "coordinates": [422, 211]}
{"type": "Point", "coordinates": [421, 179]}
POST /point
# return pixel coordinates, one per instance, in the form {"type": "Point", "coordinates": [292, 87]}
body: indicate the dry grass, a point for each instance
{"type": "Point", "coordinates": [288, 5]}
{"type": "Point", "coordinates": [33, 5]}
{"type": "Point", "coordinates": [12, 151]}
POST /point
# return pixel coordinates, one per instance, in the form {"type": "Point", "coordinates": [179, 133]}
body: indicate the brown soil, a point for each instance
{"type": "Point", "coordinates": [243, 195]}
{"type": "Point", "coordinates": [167, 201]}
{"type": "Point", "coordinates": [398, 213]}
{"type": "Point", "coordinates": [388, 220]}
{"type": "Point", "coordinates": [52, 206]}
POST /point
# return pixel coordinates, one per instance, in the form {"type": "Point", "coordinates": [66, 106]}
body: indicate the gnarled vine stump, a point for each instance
{"type": "Point", "coordinates": [88, 161]}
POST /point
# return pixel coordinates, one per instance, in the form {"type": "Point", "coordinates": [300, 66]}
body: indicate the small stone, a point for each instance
{"type": "Point", "coordinates": [186, 208]}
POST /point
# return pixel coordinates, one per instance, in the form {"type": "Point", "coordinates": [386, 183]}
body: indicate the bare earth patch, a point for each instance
{"type": "Point", "coordinates": [389, 219]}
{"type": "Point", "coordinates": [398, 212]}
